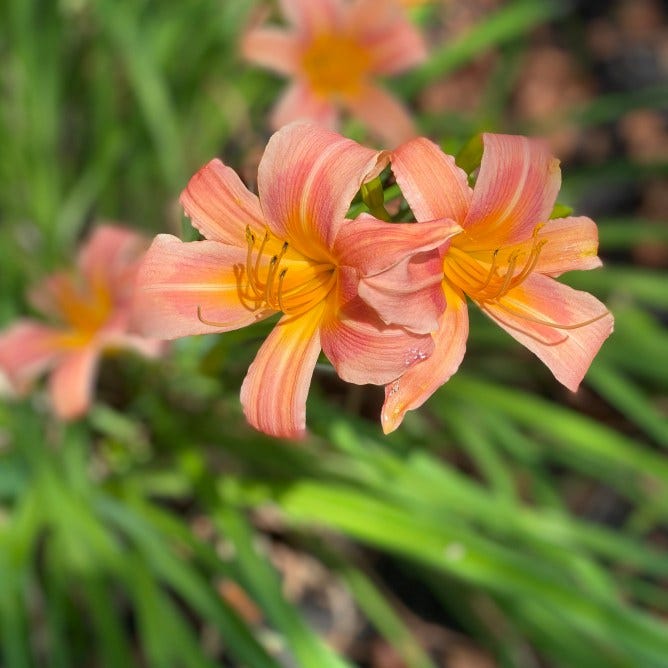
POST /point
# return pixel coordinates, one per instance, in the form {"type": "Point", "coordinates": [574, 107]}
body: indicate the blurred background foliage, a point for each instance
{"type": "Point", "coordinates": [507, 523]}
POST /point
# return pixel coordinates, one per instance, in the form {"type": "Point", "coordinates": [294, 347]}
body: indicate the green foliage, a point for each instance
{"type": "Point", "coordinates": [533, 519]}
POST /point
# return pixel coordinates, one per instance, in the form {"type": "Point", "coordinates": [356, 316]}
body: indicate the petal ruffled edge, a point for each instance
{"type": "Point", "coordinates": [276, 386]}
{"type": "Point", "coordinates": [433, 185]}
{"type": "Point", "coordinates": [191, 288]}
{"type": "Point", "coordinates": [582, 323]}
{"type": "Point", "coordinates": [307, 179]}
{"type": "Point", "coordinates": [220, 206]}
{"type": "Point", "coordinates": [418, 383]}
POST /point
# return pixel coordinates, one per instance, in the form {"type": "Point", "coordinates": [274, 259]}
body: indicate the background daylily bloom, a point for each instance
{"type": "Point", "coordinates": [89, 312]}
{"type": "Point", "coordinates": [290, 250]}
{"type": "Point", "coordinates": [505, 260]}
{"type": "Point", "coordinates": [333, 49]}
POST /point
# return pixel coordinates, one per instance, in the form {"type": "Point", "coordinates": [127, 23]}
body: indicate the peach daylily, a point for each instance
{"type": "Point", "coordinates": [505, 260]}
{"type": "Point", "coordinates": [291, 251]}
{"type": "Point", "coordinates": [90, 311]}
{"type": "Point", "coordinates": [333, 49]}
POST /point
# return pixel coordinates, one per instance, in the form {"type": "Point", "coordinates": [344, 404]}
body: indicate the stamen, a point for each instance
{"type": "Point", "coordinates": [492, 270]}
{"type": "Point", "coordinates": [211, 323]}
{"type": "Point", "coordinates": [507, 278]}
{"type": "Point", "coordinates": [550, 323]}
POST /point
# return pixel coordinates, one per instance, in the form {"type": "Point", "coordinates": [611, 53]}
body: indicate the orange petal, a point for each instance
{"type": "Point", "coordinates": [298, 103]}
{"type": "Point", "coordinates": [220, 206]}
{"type": "Point", "coordinates": [572, 243]}
{"type": "Point", "coordinates": [582, 324]}
{"type": "Point", "coordinates": [272, 48]}
{"type": "Point", "coordinates": [71, 383]}
{"type": "Point", "coordinates": [383, 114]}
{"type": "Point", "coordinates": [191, 288]}
{"type": "Point", "coordinates": [394, 43]}
{"type": "Point", "coordinates": [431, 182]}
{"type": "Point", "coordinates": [515, 190]}
{"type": "Point", "coordinates": [419, 382]}
{"type": "Point", "coordinates": [274, 391]}
{"type": "Point", "coordinates": [363, 349]}
{"type": "Point", "coordinates": [307, 179]}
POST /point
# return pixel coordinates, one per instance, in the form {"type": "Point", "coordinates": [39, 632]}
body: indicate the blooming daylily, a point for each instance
{"type": "Point", "coordinates": [505, 260]}
{"type": "Point", "coordinates": [332, 49]}
{"type": "Point", "coordinates": [291, 250]}
{"type": "Point", "coordinates": [90, 310]}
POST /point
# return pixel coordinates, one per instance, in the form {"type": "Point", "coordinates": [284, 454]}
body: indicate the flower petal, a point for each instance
{"type": "Point", "coordinates": [383, 114]}
{"type": "Point", "coordinates": [27, 349]}
{"type": "Point", "coordinates": [572, 243]}
{"type": "Point", "coordinates": [431, 182]}
{"type": "Point", "coordinates": [408, 294]}
{"type": "Point", "coordinates": [307, 179]}
{"type": "Point", "coordinates": [568, 349]}
{"type": "Point", "coordinates": [272, 48]}
{"type": "Point", "coordinates": [515, 190]}
{"type": "Point", "coordinates": [71, 383]}
{"type": "Point", "coordinates": [274, 391]}
{"type": "Point", "coordinates": [298, 103]}
{"type": "Point", "coordinates": [310, 17]}
{"type": "Point", "coordinates": [220, 206]}
{"type": "Point", "coordinates": [419, 382]}
{"type": "Point", "coordinates": [394, 43]}
{"type": "Point", "coordinates": [357, 244]}
{"type": "Point", "coordinates": [177, 279]}
{"type": "Point", "coordinates": [110, 255]}
{"type": "Point", "coordinates": [362, 348]}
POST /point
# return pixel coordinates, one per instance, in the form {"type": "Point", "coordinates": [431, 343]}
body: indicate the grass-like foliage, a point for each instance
{"type": "Point", "coordinates": [525, 523]}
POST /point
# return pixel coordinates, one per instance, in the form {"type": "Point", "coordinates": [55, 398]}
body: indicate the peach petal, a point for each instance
{"type": "Point", "coordinates": [311, 17]}
{"type": "Point", "coordinates": [220, 206]}
{"type": "Point", "coordinates": [110, 255]}
{"type": "Point", "coordinates": [298, 103]}
{"type": "Point", "coordinates": [431, 182]}
{"type": "Point", "coordinates": [394, 43]}
{"type": "Point", "coordinates": [572, 243]}
{"type": "Point", "coordinates": [384, 115]}
{"type": "Point", "coordinates": [568, 353]}
{"type": "Point", "coordinates": [176, 279]}
{"type": "Point", "coordinates": [358, 242]}
{"type": "Point", "coordinates": [515, 190]}
{"type": "Point", "coordinates": [419, 382]}
{"type": "Point", "coordinates": [273, 48]}
{"type": "Point", "coordinates": [361, 347]}
{"type": "Point", "coordinates": [274, 391]}
{"type": "Point", "coordinates": [307, 179]}
{"type": "Point", "coordinates": [71, 383]}
{"type": "Point", "coordinates": [27, 349]}
{"type": "Point", "coordinates": [408, 294]}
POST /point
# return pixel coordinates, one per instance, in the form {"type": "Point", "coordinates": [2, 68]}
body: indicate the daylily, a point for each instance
{"type": "Point", "coordinates": [90, 310]}
{"type": "Point", "coordinates": [333, 49]}
{"type": "Point", "coordinates": [505, 260]}
{"type": "Point", "coordinates": [292, 251]}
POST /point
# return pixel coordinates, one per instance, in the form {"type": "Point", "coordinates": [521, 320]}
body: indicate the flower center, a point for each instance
{"type": "Point", "coordinates": [84, 308]}
{"type": "Point", "coordinates": [336, 64]}
{"type": "Point", "coordinates": [488, 275]}
{"type": "Point", "coordinates": [281, 278]}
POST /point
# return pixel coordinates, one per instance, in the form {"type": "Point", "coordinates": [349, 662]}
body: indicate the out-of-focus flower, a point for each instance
{"type": "Point", "coordinates": [333, 50]}
{"type": "Point", "coordinates": [292, 251]}
{"type": "Point", "coordinates": [88, 311]}
{"type": "Point", "coordinates": [505, 260]}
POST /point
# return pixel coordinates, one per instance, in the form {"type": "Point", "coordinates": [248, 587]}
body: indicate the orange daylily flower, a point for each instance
{"type": "Point", "coordinates": [505, 260]}
{"type": "Point", "coordinates": [333, 49]}
{"type": "Point", "coordinates": [292, 251]}
{"type": "Point", "coordinates": [90, 310]}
